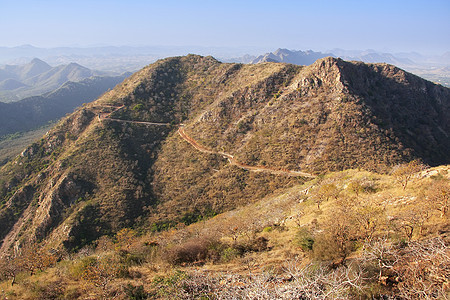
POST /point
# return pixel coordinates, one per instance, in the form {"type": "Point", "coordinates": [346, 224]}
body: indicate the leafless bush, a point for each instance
{"type": "Point", "coordinates": [309, 282]}
{"type": "Point", "coordinates": [424, 270]}
{"type": "Point", "coordinates": [419, 270]}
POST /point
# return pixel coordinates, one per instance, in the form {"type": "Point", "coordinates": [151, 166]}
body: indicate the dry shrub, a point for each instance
{"type": "Point", "coordinates": [255, 244]}
{"type": "Point", "coordinates": [424, 270]}
{"type": "Point", "coordinates": [417, 270]}
{"type": "Point", "coordinates": [337, 237]}
{"type": "Point", "coordinates": [403, 173]}
{"type": "Point", "coordinates": [195, 250]}
{"type": "Point", "coordinates": [439, 197]}
{"type": "Point", "coordinates": [308, 282]}
{"type": "Point", "coordinates": [49, 290]}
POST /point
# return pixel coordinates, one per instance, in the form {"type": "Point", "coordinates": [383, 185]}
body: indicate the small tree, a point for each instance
{"type": "Point", "coordinates": [325, 192]}
{"type": "Point", "coordinates": [125, 238]}
{"type": "Point", "coordinates": [101, 272]}
{"type": "Point", "coordinates": [337, 239]}
{"type": "Point", "coordinates": [404, 172]}
{"type": "Point", "coordinates": [33, 257]}
{"type": "Point", "coordinates": [369, 217]}
{"type": "Point", "coordinates": [439, 196]}
{"type": "Point", "coordinates": [411, 219]}
{"type": "Point", "coordinates": [9, 268]}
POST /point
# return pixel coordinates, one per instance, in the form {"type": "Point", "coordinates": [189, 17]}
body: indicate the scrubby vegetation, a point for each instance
{"type": "Point", "coordinates": [371, 239]}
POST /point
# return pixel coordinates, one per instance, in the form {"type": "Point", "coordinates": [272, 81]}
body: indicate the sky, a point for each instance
{"type": "Point", "coordinates": [394, 25]}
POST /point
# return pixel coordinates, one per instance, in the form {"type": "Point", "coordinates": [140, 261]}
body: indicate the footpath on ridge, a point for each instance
{"type": "Point", "coordinates": [234, 162]}
{"type": "Point", "coordinates": [205, 149]}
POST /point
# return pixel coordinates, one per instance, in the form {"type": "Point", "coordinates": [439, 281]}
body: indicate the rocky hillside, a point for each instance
{"type": "Point", "coordinates": [119, 161]}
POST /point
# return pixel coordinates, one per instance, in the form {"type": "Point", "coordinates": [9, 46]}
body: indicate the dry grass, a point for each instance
{"type": "Point", "coordinates": [283, 269]}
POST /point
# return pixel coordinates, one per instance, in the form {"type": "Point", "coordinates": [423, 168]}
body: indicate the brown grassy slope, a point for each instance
{"type": "Point", "coordinates": [298, 235]}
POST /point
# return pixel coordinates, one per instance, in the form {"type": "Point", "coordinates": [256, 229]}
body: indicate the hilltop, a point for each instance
{"type": "Point", "coordinates": [94, 174]}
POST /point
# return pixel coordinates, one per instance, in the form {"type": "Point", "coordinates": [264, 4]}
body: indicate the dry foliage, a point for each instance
{"type": "Point", "coordinates": [403, 173]}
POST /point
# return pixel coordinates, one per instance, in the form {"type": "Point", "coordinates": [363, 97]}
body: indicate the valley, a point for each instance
{"type": "Point", "coordinates": [11, 146]}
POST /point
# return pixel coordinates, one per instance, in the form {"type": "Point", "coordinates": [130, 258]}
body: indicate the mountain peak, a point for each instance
{"type": "Point", "coordinates": [37, 61]}
{"type": "Point", "coordinates": [38, 64]}
{"type": "Point", "coordinates": [73, 64]}
{"type": "Point", "coordinates": [26, 46]}
{"type": "Point", "coordinates": [35, 67]}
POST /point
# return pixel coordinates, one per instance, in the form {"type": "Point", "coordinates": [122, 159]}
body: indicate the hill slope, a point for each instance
{"type": "Point", "coordinates": [37, 111]}
{"type": "Point", "coordinates": [36, 78]}
{"type": "Point", "coordinates": [104, 168]}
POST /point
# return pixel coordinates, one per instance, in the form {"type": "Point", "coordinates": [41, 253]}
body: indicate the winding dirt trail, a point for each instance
{"type": "Point", "coordinates": [205, 149]}
{"type": "Point", "coordinates": [236, 163]}
{"type": "Point", "coordinates": [138, 122]}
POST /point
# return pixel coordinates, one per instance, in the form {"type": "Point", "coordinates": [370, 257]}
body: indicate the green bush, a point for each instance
{"type": "Point", "coordinates": [229, 254]}
{"type": "Point", "coordinates": [78, 269]}
{"type": "Point", "coordinates": [304, 239]}
{"type": "Point", "coordinates": [138, 107]}
{"type": "Point", "coordinates": [268, 229]}
{"type": "Point", "coordinates": [136, 292]}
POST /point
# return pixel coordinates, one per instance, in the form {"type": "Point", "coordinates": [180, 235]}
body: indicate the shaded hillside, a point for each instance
{"type": "Point", "coordinates": [37, 111]}
{"type": "Point", "coordinates": [36, 78]}
{"type": "Point", "coordinates": [92, 175]}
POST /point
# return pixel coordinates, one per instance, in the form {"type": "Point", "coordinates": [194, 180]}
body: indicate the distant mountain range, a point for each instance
{"type": "Point", "coordinates": [292, 57]}
{"type": "Point", "coordinates": [117, 59]}
{"type": "Point", "coordinates": [37, 77]}
{"type": "Point", "coordinates": [121, 59]}
{"type": "Point", "coordinates": [36, 111]}
{"type": "Point", "coordinates": [432, 68]}
{"type": "Point", "coordinates": [308, 57]}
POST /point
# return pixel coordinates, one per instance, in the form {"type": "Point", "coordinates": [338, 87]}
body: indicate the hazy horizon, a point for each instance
{"type": "Point", "coordinates": [400, 26]}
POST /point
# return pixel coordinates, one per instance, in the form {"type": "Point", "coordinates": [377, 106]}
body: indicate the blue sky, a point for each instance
{"type": "Point", "coordinates": [413, 25]}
